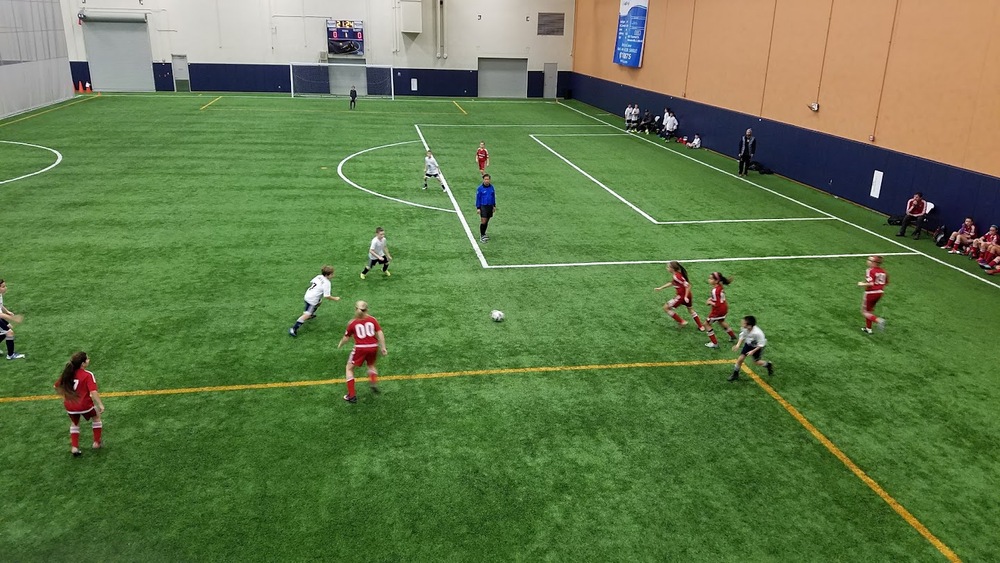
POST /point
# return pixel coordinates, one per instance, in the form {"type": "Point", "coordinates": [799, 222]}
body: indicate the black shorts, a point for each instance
{"type": "Point", "coordinates": [430, 175]}
{"type": "Point", "coordinates": [746, 350]}
{"type": "Point", "coordinates": [486, 211]}
{"type": "Point", "coordinates": [4, 325]}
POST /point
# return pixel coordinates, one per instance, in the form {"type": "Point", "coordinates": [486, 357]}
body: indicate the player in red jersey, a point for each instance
{"type": "Point", "coordinates": [679, 279]}
{"type": "Point", "coordinates": [981, 246]}
{"type": "Point", "coordinates": [368, 341]}
{"type": "Point", "coordinates": [482, 157]}
{"type": "Point", "coordinates": [875, 281]}
{"type": "Point", "coordinates": [720, 308]}
{"type": "Point", "coordinates": [80, 397]}
{"type": "Point", "coordinates": [962, 237]}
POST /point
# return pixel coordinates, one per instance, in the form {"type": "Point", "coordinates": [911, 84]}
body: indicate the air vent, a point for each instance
{"type": "Point", "coordinates": [551, 23]}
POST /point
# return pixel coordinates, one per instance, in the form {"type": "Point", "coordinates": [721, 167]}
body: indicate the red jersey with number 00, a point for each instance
{"type": "Point", "coordinates": [482, 155]}
{"type": "Point", "coordinates": [83, 384]}
{"type": "Point", "coordinates": [878, 278]}
{"type": "Point", "coordinates": [364, 331]}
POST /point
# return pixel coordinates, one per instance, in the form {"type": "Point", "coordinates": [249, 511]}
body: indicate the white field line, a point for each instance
{"type": "Point", "coordinates": [774, 220]}
{"type": "Point", "coordinates": [457, 210]}
{"type": "Point", "coordinates": [493, 126]}
{"type": "Point", "coordinates": [698, 260]}
{"type": "Point", "coordinates": [340, 171]}
{"type": "Point", "coordinates": [646, 215]}
{"type": "Point", "coordinates": [595, 180]}
{"type": "Point", "coordinates": [59, 158]}
{"type": "Point", "coordinates": [807, 206]}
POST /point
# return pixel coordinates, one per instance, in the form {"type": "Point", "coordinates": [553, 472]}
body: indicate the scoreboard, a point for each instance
{"type": "Point", "coordinates": [345, 37]}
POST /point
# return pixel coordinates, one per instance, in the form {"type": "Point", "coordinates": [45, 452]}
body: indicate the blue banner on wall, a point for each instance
{"type": "Point", "coordinates": [631, 32]}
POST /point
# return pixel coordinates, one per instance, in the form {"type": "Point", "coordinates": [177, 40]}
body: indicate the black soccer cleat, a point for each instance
{"type": "Point", "coordinates": [770, 368]}
{"type": "Point", "coordinates": [734, 377]}
{"type": "Point", "coordinates": [351, 398]}
{"type": "Point", "coordinates": [375, 390]}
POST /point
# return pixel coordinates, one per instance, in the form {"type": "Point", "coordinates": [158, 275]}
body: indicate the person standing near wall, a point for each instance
{"type": "Point", "coordinates": [748, 146]}
{"type": "Point", "coordinates": [7, 317]}
{"type": "Point", "coordinates": [354, 96]}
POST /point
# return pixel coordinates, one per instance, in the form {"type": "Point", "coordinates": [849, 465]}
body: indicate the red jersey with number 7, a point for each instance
{"type": "Point", "coordinates": [83, 383]}
{"type": "Point", "coordinates": [878, 279]}
{"type": "Point", "coordinates": [363, 331]}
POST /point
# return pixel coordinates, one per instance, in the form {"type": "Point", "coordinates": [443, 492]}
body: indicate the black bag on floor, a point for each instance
{"type": "Point", "coordinates": [895, 220]}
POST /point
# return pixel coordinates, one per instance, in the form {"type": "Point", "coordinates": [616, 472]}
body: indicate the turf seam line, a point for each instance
{"type": "Point", "coordinates": [209, 103]}
{"type": "Point", "coordinates": [412, 377]}
{"type": "Point", "coordinates": [853, 467]}
{"type": "Point", "coordinates": [88, 98]}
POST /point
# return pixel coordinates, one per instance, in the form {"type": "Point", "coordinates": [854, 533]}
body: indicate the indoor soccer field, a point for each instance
{"type": "Point", "coordinates": [171, 237]}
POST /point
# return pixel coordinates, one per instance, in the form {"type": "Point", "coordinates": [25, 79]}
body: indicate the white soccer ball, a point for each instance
{"type": "Point", "coordinates": [496, 315]}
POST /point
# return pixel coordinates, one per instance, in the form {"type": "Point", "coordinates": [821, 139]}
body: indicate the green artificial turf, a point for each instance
{"type": "Point", "coordinates": [174, 242]}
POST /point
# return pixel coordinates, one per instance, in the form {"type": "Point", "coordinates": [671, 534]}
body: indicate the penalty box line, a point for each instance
{"type": "Point", "coordinates": [793, 200]}
{"type": "Point", "coordinates": [698, 260]}
{"type": "Point", "coordinates": [454, 203]}
{"type": "Point", "coordinates": [636, 208]}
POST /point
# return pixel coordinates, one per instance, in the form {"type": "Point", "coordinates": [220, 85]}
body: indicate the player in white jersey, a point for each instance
{"type": "Point", "coordinates": [378, 253]}
{"type": "Point", "coordinates": [318, 290]}
{"type": "Point", "coordinates": [752, 341]}
{"type": "Point", "coordinates": [432, 170]}
{"type": "Point", "coordinates": [7, 317]}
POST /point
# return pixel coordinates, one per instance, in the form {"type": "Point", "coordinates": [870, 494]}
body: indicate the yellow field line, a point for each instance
{"type": "Point", "coordinates": [210, 103]}
{"type": "Point", "coordinates": [413, 377]}
{"type": "Point", "coordinates": [858, 472]}
{"type": "Point", "coordinates": [460, 107]}
{"type": "Point", "coordinates": [51, 109]}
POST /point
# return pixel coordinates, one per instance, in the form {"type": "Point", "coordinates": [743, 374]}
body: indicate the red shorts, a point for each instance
{"type": "Point", "coordinates": [679, 300]}
{"type": "Point", "coordinates": [75, 417]}
{"type": "Point", "coordinates": [869, 301]}
{"type": "Point", "coordinates": [718, 314]}
{"type": "Point", "coordinates": [482, 165]}
{"type": "Point", "coordinates": [361, 355]}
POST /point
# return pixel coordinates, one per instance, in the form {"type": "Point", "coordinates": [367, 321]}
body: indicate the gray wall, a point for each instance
{"type": "Point", "coordinates": [34, 67]}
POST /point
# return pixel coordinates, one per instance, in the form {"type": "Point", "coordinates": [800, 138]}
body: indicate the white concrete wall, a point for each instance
{"type": "Point", "coordinates": [282, 31]}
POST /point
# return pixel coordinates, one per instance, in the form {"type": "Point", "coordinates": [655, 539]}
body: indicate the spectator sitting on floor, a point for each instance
{"type": "Point", "coordinates": [695, 143]}
{"type": "Point", "coordinates": [980, 246]}
{"type": "Point", "coordinates": [962, 237]}
{"type": "Point", "coordinates": [646, 123]}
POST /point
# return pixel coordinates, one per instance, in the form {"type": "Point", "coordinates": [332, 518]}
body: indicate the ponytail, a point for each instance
{"type": "Point", "coordinates": [722, 279]}
{"type": "Point", "coordinates": [65, 384]}
{"type": "Point", "coordinates": [676, 266]}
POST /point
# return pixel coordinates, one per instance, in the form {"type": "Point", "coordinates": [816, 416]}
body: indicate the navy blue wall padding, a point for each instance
{"type": "Point", "coordinates": [536, 84]}
{"type": "Point", "coordinates": [80, 70]}
{"type": "Point", "coordinates": [563, 84]}
{"type": "Point", "coordinates": [218, 77]}
{"type": "Point", "coordinates": [430, 82]}
{"type": "Point", "coordinates": [163, 77]}
{"type": "Point", "coordinates": [312, 80]}
{"type": "Point", "coordinates": [835, 165]}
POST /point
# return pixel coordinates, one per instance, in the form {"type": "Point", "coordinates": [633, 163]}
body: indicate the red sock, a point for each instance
{"type": "Point", "coordinates": [97, 427]}
{"type": "Point", "coordinates": [350, 387]}
{"type": "Point", "coordinates": [677, 318]}
{"type": "Point", "coordinates": [711, 336]}
{"type": "Point", "coordinates": [697, 320]}
{"type": "Point", "coordinates": [731, 333]}
{"type": "Point", "coordinates": [372, 378]}
{"type": "Point", "coordinates": [868, 320]}
{"type": "Point", "coordinates": [74, 436]}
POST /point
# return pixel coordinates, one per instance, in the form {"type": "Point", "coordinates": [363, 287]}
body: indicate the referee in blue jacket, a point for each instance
{"type": "Point", "coordinates": [486, 205]}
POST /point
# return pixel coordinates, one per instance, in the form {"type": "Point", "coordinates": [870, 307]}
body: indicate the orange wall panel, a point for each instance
{"type": "Point", "coordinates": [796, 63]}
{"type": "Point", "coordinates": [931, 84]}
{"type": "Point", "coordinates": [729, 53]}
{"type": "Point", "coordinates": [982, 144]}
{"type": "Point", "coordinates": [856, 51]}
